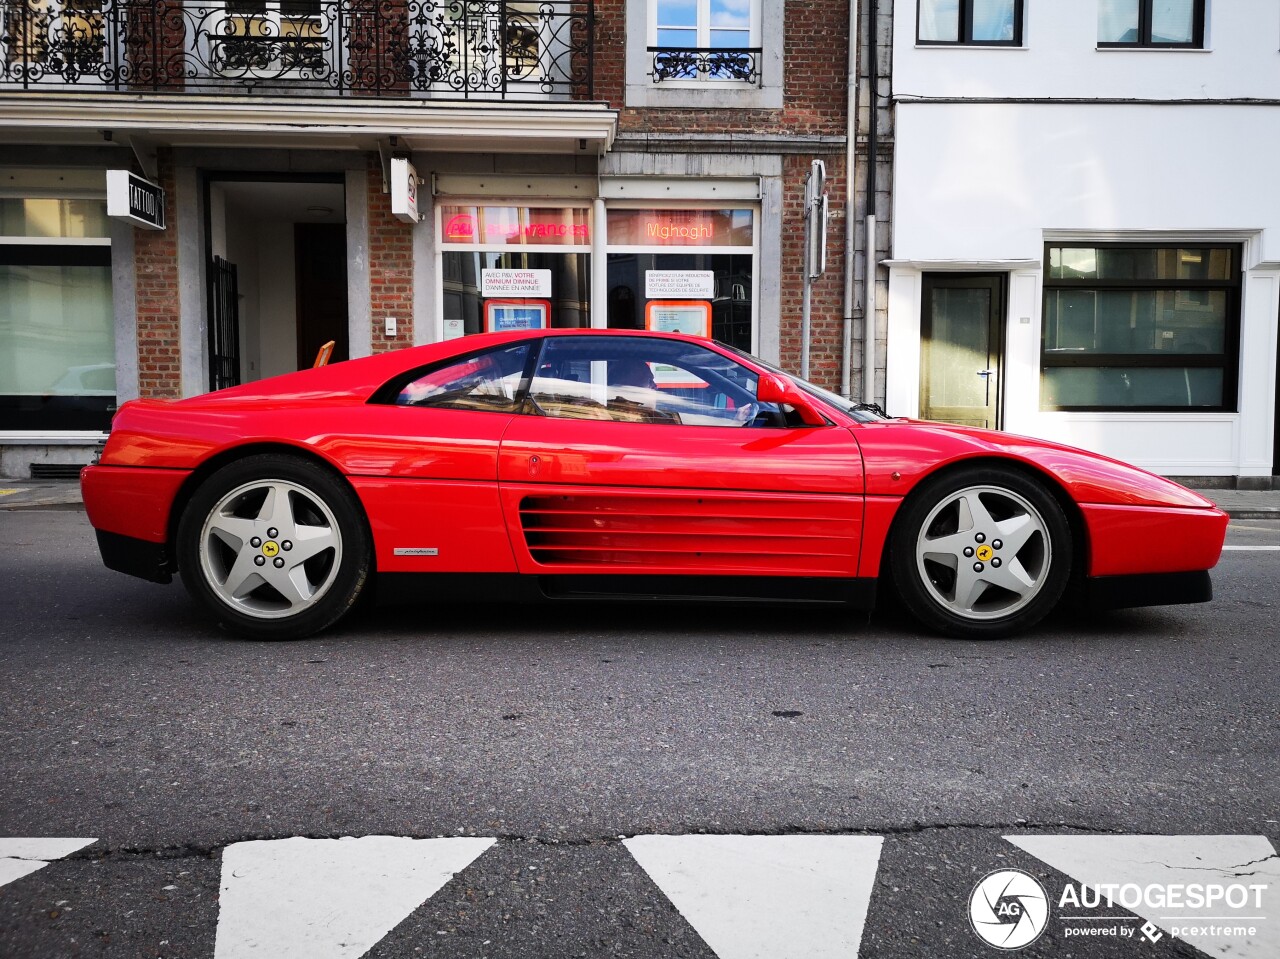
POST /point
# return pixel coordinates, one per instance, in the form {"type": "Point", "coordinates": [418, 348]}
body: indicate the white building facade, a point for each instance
{"type": "Point", "coordinates": [1086, 226]}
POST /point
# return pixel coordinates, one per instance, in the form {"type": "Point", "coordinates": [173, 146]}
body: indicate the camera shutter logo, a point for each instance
{"type": "Point", "coordinates": [1008, 909]}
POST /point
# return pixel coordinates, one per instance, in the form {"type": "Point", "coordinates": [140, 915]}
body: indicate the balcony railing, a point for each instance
{"type": "Point", "coordinates": [705, 63]}
{"type": "Point", "coordinates": [484, 49]}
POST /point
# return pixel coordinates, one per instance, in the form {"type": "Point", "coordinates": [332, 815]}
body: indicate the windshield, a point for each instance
{"type": "Point", "coordinates": [862, 412]}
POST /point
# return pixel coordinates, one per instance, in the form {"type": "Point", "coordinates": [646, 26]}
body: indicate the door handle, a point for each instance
{"type": "Point", "coordinates": [986, 372]}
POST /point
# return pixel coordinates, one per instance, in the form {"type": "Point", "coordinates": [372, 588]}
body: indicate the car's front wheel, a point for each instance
{"type": "Point", "coordinates": [981, 553]}
{"type": "Point", "coordinates": [276, 547]}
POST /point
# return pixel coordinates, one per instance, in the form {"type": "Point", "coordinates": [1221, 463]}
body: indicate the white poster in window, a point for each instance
{"type": "Point", "coordinates": [454, 329]}
{"type": "Point", "coordinates": [515, 283]}
{"type": "Point", "coordinates": [679, 284]}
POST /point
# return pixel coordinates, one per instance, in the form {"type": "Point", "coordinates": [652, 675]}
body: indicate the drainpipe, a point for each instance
{"type": "Point", "coordinates": [850, 200]}
{"type": "Point", "coordinates": [869, 312]}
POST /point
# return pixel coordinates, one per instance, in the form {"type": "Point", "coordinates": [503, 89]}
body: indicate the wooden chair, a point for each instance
{"type": "Point", "coordinates": [322, 357]}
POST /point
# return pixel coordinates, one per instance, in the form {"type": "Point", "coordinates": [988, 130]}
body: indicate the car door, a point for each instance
{"type": "Point", "coordinates": [425, 463]}
{"type": "Point", "coordinates": [651, 455]}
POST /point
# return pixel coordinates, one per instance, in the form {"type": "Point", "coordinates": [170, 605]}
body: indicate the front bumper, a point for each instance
{"type": "Point", "coordinates": [1148, 589]}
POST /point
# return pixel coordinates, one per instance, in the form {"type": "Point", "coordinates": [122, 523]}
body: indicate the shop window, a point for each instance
{"type": "Point", "coordinates": [1140, 327]}
{"type": "Point", "coordinates": [970, 22]}
{"type": "Point", "coordinates": [57, 323]}
{"type": "Point", "coordinates": [688, 271]}
{"type": "Point", "coordinates": [510, 268]}
{"type": "Point", "coordinates": [1151, 23]}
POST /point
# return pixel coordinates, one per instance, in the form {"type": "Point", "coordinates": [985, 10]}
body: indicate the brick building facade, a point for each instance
{"type": "Point", "coordinates": [273, 167]}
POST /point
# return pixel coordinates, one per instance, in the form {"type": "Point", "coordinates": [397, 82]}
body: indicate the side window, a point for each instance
{"type": "Point", "coordinates": [636, 380]}
{"type": "Point", "coordinates": [482, 381]}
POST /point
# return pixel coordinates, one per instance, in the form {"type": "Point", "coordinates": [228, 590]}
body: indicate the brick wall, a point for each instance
{"type": "Point", "coordinates": [816, 55]}
{"type": "Point", "coordinates": [827, 295]}
{"type": "Point", "coordinates": [390, 267]}
{"type": "Point", "coordinates": [156, 292]}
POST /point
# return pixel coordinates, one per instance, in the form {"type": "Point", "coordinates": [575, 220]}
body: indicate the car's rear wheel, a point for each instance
{"type": "Point", "coordinates": [981, 553]}
{"type": "Point", "coordinates": [275, 546]}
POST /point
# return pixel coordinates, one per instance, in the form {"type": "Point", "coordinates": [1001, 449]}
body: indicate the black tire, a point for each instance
{"type": "Point", "coordinates": [269, 586]}
{"type": "Point", "coordinates": [996, 588]}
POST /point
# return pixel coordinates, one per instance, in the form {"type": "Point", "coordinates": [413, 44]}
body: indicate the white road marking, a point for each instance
{"type": "Point", "coordinates": [771, 897]}
{"type": "Point", "coordinates": [1162, 861]}
{"type": "Point", "coordinates": [328, 898]}
{"type": "Point", "coordinates": [22, 856]}
{"type": "Point", "coordinates": [1268, 548]}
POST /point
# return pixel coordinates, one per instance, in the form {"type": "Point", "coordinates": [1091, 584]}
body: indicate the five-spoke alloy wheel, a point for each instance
{"type": "Point", "coordinates": [981, 552]}
{"type": "Point", "coordinates": [277, 547]}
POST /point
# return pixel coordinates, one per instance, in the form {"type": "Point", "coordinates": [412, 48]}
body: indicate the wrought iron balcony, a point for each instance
{"type": "Point", "coordinates": [705, 63]}
{"type": "Point", "coordinates": [446, 49]}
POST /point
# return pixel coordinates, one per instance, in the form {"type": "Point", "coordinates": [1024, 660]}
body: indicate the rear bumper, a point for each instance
{"type": "Point", "coordinates": [1148, 589]}
{"type": "Point", "coordinates": [131, 501]}
{"type": "Point", "coordinates": [137, 557]}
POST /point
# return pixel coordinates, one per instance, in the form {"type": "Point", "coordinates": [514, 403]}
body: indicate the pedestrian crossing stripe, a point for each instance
{"type": "Point", "coordinates": [22, 856]}
{"type": "Point", "coordinates": [746, 896]}
{"type": "Point", "coordinates": [328, 898]}
{"type": "Point", "coordinates": [1126, 866]}
{"type": "Point", "coordinates": [767, 897]}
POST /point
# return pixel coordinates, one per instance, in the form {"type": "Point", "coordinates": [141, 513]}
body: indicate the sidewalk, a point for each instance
{"type": "Point", "coordinates": [35, 494]}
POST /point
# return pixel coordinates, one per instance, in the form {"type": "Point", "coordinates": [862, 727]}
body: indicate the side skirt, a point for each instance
{"type": "Point", "coordinates": [395, 588]}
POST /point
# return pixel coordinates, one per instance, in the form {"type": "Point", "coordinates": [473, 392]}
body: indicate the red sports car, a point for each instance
{"type": "Point", "coordinates": [592, 463]}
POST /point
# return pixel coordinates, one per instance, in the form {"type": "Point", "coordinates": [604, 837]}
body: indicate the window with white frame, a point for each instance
{"type": "Point", "coordinates": [1151, 23]}
{"type": "Point", "coordinates": [704, 40]}
{"type": "Point", "coordinates": [970, 22]}
{"type": "Point", "coordinates": [270, 38]}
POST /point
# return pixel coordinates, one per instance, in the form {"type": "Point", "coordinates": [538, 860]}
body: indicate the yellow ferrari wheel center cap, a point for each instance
{"type": "Point", "coordinates": [270, 548]}
{"type": "Point", "coordinates": [984, 552]}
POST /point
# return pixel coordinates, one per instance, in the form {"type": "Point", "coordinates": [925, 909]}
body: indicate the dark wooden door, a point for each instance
{"type": "Point", "coordinates": [320, 256]}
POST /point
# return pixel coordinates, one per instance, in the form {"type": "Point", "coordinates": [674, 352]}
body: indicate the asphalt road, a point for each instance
{"type": "Point", "coordinates": [128, 718]}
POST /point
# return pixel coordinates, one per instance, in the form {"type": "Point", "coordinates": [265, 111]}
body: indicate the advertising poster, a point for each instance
{"type": "Point", "coordinates": [679, 316]}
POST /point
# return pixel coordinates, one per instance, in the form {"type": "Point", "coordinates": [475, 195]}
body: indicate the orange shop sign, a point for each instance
{"type": "Point", "coordinates": [515, 226]}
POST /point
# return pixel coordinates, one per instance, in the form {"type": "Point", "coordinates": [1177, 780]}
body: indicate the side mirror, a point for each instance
{"type": "Point", "coordinates": [778, 389]}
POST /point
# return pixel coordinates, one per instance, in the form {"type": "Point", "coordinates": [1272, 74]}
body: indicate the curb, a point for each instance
{"type": "Point", "coordinates": [1253, 512]}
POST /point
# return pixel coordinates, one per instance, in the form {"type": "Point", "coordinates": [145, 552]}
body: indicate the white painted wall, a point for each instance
{"type": "Point", "coordinates": [986, 179]}
{"type": "Point", "coordinates": [241, 248]}
{"type": "Point", "coordinates": [1060, 58]}
{"type": "Point", "coordinates": [277, 310]}
{"type": "Point", "coordinates": [984, 185]}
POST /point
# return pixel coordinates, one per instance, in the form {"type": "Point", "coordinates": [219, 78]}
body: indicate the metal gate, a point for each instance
{"type": "Point", "coordinates": [224, 325]}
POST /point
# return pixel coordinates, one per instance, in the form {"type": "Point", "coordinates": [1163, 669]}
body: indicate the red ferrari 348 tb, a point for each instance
{"type": "Point", "coordinates": [561, 464]}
